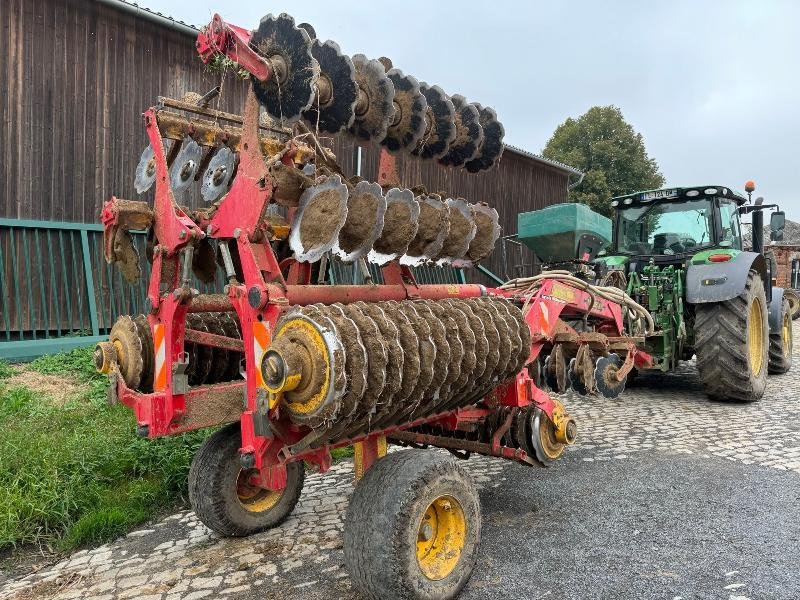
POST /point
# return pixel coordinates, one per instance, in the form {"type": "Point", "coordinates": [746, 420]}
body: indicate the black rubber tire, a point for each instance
{"type": "Point", "coordinates": [383, 521]}
{"type": "Point", "coordinates": [722, 345]}
{"type": "Point", "coordinates": [780, 360]}
{"type": "Point", "coordinates": [213, 488]}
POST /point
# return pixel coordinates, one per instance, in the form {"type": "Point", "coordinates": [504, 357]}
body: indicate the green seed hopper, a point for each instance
{"type": "Point", "coordinates": [564, 232]}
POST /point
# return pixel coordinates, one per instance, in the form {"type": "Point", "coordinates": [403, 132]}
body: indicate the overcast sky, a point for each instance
{"type": "Point", "coordinates": [714, 87]}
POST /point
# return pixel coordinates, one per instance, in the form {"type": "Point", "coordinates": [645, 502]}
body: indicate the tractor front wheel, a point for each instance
{"type": "Point", "coordinates": [222, 495]}
{"type": "Point", "coordinates": [412, 527]}
{"type": "Point", "coordinates": [732, 343]}
{"type": "Point", "coordinates": [780, 343]}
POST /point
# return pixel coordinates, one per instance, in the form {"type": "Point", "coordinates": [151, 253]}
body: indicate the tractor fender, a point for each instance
{"type": "Point", "coordinates": [718, 282]}
{"type": "Point", "coordinates": [775, 310]}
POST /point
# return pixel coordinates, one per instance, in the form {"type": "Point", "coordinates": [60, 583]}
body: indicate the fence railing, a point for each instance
{"type": "Point", "coordinates": [59, 293]}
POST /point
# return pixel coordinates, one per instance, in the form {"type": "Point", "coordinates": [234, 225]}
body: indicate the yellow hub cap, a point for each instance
{"type": "Point", "coordinates": [440, 539]}
{"type": "Point", "coordinates": [253, 498]}
{"type": "Point", "coordinates": [787, 334]}
{"type": "Point", "coordinates": [756, 336]}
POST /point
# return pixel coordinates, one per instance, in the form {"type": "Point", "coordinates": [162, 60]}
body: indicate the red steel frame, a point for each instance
{"type": "Point", "coordinates": [236, 221]}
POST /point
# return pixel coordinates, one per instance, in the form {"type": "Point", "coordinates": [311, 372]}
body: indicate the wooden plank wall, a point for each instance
{"type": "Point", "coordinates": [75, 75]}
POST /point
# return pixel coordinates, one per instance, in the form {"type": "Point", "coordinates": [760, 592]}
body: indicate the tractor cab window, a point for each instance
{"type": "Point", "coordinates": [729, 219]}
{"type": "Point", "coordinates": [665, 229]}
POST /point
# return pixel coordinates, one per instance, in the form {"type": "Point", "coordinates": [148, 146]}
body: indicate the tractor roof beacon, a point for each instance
{"type": "Point", "coordinates": [680, 252]}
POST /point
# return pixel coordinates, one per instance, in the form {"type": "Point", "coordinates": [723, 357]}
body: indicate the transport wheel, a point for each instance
{"type": "Point", "coordinates": [780, 343]}
{"type": "Point", "coordinates": [732, 342]}
{"type": "Point", "coordinates": [222, 496]}
{"type": "Point", "coordinates": [794, 302]}
{"type": "Point", "coordinates": [543, 445]}
{"type": "Point", "coordinates": [412, 527]}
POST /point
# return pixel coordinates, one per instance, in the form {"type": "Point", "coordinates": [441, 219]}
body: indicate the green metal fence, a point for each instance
{"type": "Point", "coordinates": [59, 293]}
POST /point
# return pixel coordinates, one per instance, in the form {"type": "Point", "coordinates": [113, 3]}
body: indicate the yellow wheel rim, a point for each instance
{"type": "Point", "coordinates": [547, 438]}
{"type": "Point", "coordinates": [440, 539]}
{"type": "Point", "coordinates": [787, 334]}
{"type": "Point", "coordinates": [756, 336]}
{"type": "Point", "coordinates": [253, 498]}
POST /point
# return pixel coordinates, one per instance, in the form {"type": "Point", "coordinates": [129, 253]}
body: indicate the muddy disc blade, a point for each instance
{"type": "Point", "coordinates": [440, 124]}
{"type": "Point", "coordinates": [319, 219]}
{"type": "Point", "coordinates": [374, 105]}
{"type": "Point", "coordinates": [492, 148]}
{"type": "Point", "coordinates": [469, 134]}
{"type": "Point", "coordinates": [487, 231]}
{"type": "Point", "coordinates": [334, 103]}
{"type": "Point", "coordinates": [218, 175]}
{"type": "Point", "coordinates": [287, 49]}
{"type": "Point", "coordinates": [399, 226]}
{"type": "Point", "coordinates": [408, 122]}
{"type": "Point", "coordinates": [462, 231]}
{"type": "Point", "coordinates": [434, 225]}
{"type": "Point", "coordinates": [185, 166]}
{"type": "Point", "coordinates": [366, 207]}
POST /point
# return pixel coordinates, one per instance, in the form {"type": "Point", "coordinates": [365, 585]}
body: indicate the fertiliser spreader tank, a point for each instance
{"type": "Point", "coordinates": [293, 368]}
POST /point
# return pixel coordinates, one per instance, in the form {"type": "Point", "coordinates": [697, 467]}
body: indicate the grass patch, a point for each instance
{"type": "Point", "coordinates": [6, 370]}
{"type": "Point", "coordinates": [77, 474]}
{"type": "Point", "coordinates": [339, 454]}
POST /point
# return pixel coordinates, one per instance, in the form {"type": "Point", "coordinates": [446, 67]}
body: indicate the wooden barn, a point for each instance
{"type": "Point", "coordinates": [74, 76]}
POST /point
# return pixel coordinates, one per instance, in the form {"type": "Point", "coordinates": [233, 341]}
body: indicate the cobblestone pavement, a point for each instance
{"type": "Point", "coordinates": [719, 480]}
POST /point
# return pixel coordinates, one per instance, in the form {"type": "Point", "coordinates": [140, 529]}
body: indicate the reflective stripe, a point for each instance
{"type": "Point", "coordinates": [261, 339]}
{"type": "Point", "coordinates": [161, 371]}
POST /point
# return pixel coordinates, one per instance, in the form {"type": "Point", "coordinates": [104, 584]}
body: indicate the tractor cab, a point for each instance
{"type": "Point", "coordinates": [673, 224]}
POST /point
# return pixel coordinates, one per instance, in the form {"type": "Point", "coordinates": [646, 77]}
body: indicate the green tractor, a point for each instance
{"type": "Point", "coordinates": [679, 253]}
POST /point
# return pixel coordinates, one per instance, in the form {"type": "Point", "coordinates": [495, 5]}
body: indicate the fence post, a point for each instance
{"type": "Point", "coordinates": [87, 269]}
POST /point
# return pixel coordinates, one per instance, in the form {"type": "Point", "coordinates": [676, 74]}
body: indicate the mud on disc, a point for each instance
{"type": "Point", "coordinates": [469, 134]}
{"type": "Point", "coordinates": [410, 106]}
{"type": "Point", "coordinates": [334, 105]}
{"type": "Point", "coordinates": [492, 148]}
{"type": "Point", "coordinates": [287, 50]}
{"type": "Point", "coordinates": [440, 124]}
{"type": "Point", "coordinates": [375, 102]}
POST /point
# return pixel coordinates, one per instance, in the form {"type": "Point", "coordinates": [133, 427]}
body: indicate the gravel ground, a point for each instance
{"type": "Point", "coordinates": [666, 495]}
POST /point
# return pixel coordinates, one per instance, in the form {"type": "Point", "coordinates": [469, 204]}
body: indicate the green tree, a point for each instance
{"type": "Point", "coordinates": [610, 153]}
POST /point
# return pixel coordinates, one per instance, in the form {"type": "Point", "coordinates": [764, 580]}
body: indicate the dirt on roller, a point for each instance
{"type": "Point", "coordinates": [441, 349]}
{"type": "Point", "coordinates": [355, 360]}
{"type": "Point", "coordinates": [456, 348]}
{"type": "Point", "coordinates": [504, 334]}
{"type": "Point", "coordinates": [362, 212]}
{"type": "Point", "coordinates": [394, 365]}
{"type": "Point", "coordinates": [460, 229]}
{"type": "Point", "coordinates": [377, 360]}
{"type": "Point", "coordinates": [468, 360]}
{"type": "Point", "coordinates": [485, 237]}
{"type": "Point", "coordinates": [431, 222]}
{"type": "Point", "coordinates": [410, 344]}
{"type": "Point", "coordinates": [515, 329]}
{"type": "Point", "coordinates": [491, 333]}
{"type": "Point", "coordinates": [426, 355]}
{"type": "Point", "coordinates": [481, 343]}
{"type": "Point", "coordinates": [398, 229]}
{"type": "Point", "coordinates": [321, 217]}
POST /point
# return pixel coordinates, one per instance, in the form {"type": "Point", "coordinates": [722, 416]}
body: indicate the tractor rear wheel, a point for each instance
{"type": "Point", "coordinates": [223, 497]}
{"type": "Point", "coordinates": [794, 302]}
{"type": "Point", "coordinates": [732, 342]}
{"type": "Point", "coordinates": [780, 343]}
{"type": "Point", "coordinates": [412, 527]}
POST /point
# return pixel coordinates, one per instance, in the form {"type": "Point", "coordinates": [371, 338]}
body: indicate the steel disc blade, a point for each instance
{"type": "Point", "coordinates": [218, 175]}
{"type": "Point", "coordinates": [440, 124]}
{"type": "Point", "coordinates": [462, 231]}
{"type": "Point", "coordinates": [320, 216]}
{"type": "Point", "coordinates": [492, 147]}
{"type": "Point", "coordinates": [605, 370]}
{"type": "Point", "coordinates": [334, 104]}
{"type": "Point", "coordinates": [366, 207]}
{"type": "Point", "coordinates": [184, 168]}
{"type": "Point", "coordinates": [400, 224]}
{"type": "Point", "coordinates": [287, 49]}
{"type": "Point", "coordinates": [469, 134]}
{"type": "Point", "coordinates": [434, 225]}
{"type": "Point", "coordinates": [374, 106]}
{"type": "Point", "coordinates": [145, 171]}
{"type": "Point", "coordinates": [486, 234]}
{"type": "Point", "coordinates": [408, 122]}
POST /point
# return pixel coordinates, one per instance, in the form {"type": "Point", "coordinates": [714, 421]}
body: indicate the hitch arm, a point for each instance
{"type": "Point", "coordinates": [219, 37]}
